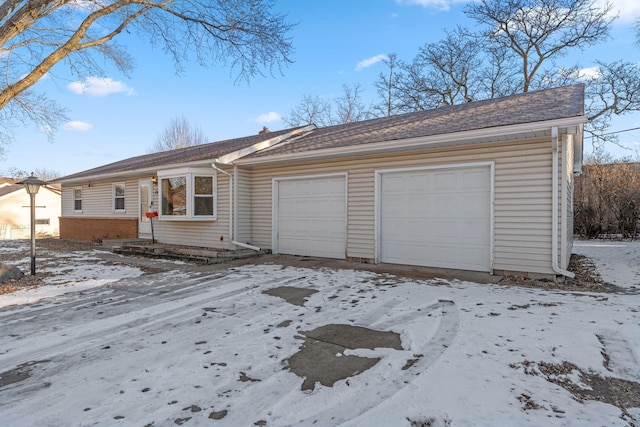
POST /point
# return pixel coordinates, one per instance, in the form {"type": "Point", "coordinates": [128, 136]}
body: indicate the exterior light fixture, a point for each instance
{"type": "Point", "coordinates": [32, 185]}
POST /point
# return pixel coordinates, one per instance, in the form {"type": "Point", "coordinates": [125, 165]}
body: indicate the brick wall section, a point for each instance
{"type": "Point", "coordinates": [98, 229]}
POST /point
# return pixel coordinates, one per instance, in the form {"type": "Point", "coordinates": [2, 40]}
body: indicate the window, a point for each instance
{"type": "Point", "coordinates": [174, 196]}
{"type": "Point", "coordinates": [118, 197]}
{"type": "Point", "coordinates": [203, 196]}
{"type": "Point", "coordinates": [187, 194]}
{"type": "Point", "coordinates": [77, 199]}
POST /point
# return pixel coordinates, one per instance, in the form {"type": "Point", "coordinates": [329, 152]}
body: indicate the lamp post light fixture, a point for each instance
{"type": "Point", "coordinates": [32, 185]}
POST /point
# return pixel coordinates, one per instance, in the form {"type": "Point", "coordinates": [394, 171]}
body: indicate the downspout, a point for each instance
{"type": "Point", "coordinates": [564, 195]}
{"type": "Point", "coordinates": [554, 206]}
{"type": "Point", "coordinates": [231, 212]}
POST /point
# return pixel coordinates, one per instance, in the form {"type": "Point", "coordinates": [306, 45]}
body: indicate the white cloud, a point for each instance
{"type": "Point", "coordinates": [269, 117]}
{"type": "Point", "coordinates": [366, 63]}
{"type": "Point", "coordinates": [443, 5]}
{"type": "Point", "coordinates": [99, 86]}
{"type": "Point", "coordinates": [78, 126]}
{"type": "Point", "coordinates": [628, 10]}
{"type": "Point", "coordinates": [589, 73]}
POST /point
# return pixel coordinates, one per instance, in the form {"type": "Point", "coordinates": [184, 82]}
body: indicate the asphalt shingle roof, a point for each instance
{"type": "Point", "coordinates": [8, 189]}
{"type": "Point", "coordinates": [182, 155]}
{"type": "Point", "coordinates": [539, 106]}
{"type": "Point", "coordinates": [550, 104]}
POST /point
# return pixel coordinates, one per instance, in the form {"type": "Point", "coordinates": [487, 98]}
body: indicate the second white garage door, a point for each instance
{"type": "Point", "coordinates": [310, 216]}
{"type": "Point", "coordinates": [436, 217]}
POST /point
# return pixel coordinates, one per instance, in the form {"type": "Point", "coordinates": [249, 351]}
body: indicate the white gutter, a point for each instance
{"type": "Point", "coordinates": [132, 173]}
{"type": "Point", "coordinates": [214, 165]}
{"type": "Point", "coordinates": [554, 206]}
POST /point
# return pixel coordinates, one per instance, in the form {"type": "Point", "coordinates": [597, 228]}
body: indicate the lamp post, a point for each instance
{"type": "Point", "coordinates": [32, 185]}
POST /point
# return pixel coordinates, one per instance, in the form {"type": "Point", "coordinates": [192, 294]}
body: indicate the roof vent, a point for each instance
{"type": "Point", "coordinates": [264, 130]}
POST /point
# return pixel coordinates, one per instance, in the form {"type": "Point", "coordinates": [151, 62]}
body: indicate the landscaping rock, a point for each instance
{"type": "Point", "coordinates": [8, 273]}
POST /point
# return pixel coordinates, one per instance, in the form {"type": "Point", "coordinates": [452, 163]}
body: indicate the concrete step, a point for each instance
{"type": "Point", "coordinates": [183, 253]}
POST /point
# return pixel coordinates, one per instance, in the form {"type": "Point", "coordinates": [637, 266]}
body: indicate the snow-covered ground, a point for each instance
{"type": "Point", "coordinates": [618, 262]}
{"type": "Point", "coordinates": [211, 348]}
{"type": "Point", "coordinates": [62, 272]}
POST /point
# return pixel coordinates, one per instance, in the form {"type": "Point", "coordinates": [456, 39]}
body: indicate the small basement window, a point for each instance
{"type": "Point", "coordinates": [187, 194]}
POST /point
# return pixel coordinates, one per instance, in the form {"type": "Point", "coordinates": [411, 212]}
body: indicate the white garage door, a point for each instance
{"type": "Point", "coordinates": [436, 217]}
{"type": "Point", "coordinates": [311, 216]}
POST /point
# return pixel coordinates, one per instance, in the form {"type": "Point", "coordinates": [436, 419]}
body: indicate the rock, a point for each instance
{"type": "Point", "coordinates": [218, 415]}
{"type": "Point", "coordinates": [10, 273]}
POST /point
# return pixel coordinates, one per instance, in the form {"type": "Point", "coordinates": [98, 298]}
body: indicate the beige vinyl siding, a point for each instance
{"type": "Point", "coordinates": [522, 218]}
{"type": "Point", "coordinates": [66, 208]}
{"type": "Point", "coordinates": [522, 208]}
{"type": "Point", "coordinates": [243, 205]}
{"type": "Point", "coordinates": [97, 200]}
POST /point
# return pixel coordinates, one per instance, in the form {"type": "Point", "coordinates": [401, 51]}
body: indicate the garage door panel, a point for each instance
{"type": "Point", "coordinates": [443, 205]}
{"type": "Point", "coordinates": [311, 216]}
{"type": "Point", "coordinates": [474, 231]}
{"type": "Point", "coordinates": [444, 181]}
{"type": "Point", "coordinates": [395, 183]}
{"type": "Point", "coordinates": [437, 218]}
{"type": "Point", "coordinates": [476, 179]}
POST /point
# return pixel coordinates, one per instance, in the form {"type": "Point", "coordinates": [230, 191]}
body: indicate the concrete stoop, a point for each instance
{"type": "Point", "coordinates": [182, 253]}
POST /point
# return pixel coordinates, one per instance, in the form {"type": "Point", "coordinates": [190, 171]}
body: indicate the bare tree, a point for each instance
{"type": "Point", "coordinates": [607, 197]}
{"type": "Point", "coordinates": [537, 32]}
{"type": "Point", "coordinates": [498, 73]}
{"type": "Point", "coordinates": [612, 89]}
{"type": "Point", "coordinates": [387, 88]}
{"type": "Point", "coordinates": [42, 173]}
{"type": "Point", "coordinates": [35, 35]}
{"type": "Point", "coordinates": [349, 106]}
{"type": "Point", "coordinates": [179, 133]}
{"type": "Point", "coordinates": [322, 112]}
{"type": "Point", "coordinates": [445, 72]}
{"type": "Point", "coordinates": [47, 174]}
{"type": "Point", "coordinates": [516, 49]}
{"type": "Point", "coordinates": [310, 110]}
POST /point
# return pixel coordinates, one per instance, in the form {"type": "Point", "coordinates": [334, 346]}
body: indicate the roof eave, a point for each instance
{"type": "Point", "coordinates": [441, 140]}
{"type": "Point", "coordinates": [133, 172]}
{"type": "Point", "coordinates": [228, 158]}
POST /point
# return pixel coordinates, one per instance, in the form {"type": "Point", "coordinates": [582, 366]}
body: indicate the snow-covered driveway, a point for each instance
{"type": "Point", "coordinates": [188, 348]}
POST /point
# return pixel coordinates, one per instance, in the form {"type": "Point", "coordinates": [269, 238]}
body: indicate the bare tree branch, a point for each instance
{"type": "Point", "coordinates": [386, 87]}
{"type": "Point", "coordinates": [539, 31]}
{"type": "Point", "coordinates": [35, 35]}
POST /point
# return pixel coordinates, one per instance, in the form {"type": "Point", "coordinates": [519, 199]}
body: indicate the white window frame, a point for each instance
{"type": "Point", "coordinates": [114, 197]}
{"type": "Point", "coordinates": [73, 196]}
{"type": "Point", "coordinates": [190, 175]}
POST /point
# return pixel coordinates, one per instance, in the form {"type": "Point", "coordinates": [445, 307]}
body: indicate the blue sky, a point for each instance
{"type": "Point", "coordinates": [120, 117]}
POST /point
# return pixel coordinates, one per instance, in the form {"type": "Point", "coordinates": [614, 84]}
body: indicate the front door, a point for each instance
{"type": "Point", "coordinates": [146, 205]}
